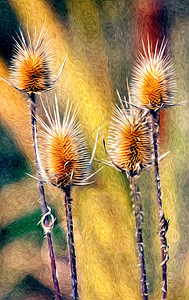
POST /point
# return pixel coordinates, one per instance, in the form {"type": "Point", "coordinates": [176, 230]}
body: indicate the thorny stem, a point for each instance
{"type": "Point", "coordinates": [68, 206]}
{"type": "Point", "coordinates": [139, 220]}
{"type": "Point", "coordinates": [163, 224]}
{"type": "Point", "coordinates": [42, 196]}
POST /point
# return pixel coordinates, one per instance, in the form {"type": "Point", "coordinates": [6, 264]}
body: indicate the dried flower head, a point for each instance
{"type": "Point", "coordinates": [64, 158]}
{"type": "Point", "coordinates": [31, 69]}
{"type": "Point", "coordinates": [130, 140]}
{"type": "Point", "coordinates": [153, 83]}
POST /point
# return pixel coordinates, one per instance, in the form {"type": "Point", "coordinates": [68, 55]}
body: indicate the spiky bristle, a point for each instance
{"type": "Point", "coordinates": [153, 84]}
{"type": "Point", "coordinates": [31, 65]}
{"type": "Point", "coordinates": [63, 154]}
{"type": "Point", "coordinates": [130, 140]}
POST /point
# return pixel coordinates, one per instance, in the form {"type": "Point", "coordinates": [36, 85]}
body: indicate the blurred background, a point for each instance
{"type": "Point", "coordinates": [102, 39]}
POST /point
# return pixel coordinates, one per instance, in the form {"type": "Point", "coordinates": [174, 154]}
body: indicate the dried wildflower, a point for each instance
{"type": "Point", "coordinates": [130, 150]}
{"type": "Point", "coordinates": [153, 87]}
{"type": "Point", "coordinates": [31, 73]}
{"type": "Point", "coordinates": [64, 162]}
{"type": "Point", "coordinates": [63, 153]}
{"type": "Point", "coordinates": [31, 68]}
{"type": "Point", "coordinates": [130, 140]}
{"type": "Point", "coordinates": [153, 81]}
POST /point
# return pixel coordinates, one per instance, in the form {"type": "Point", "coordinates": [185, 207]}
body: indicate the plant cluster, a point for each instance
{"type": "Point", "coordinates": [61, 154]}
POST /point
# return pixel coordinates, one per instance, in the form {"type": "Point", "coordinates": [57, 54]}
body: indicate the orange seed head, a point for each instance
{"type": "Point", "coordinates": [31, 67]}
{"type": "Point", "coordinates": [153, 83]}
{"type": "Point", "coordinates": [130, 140]}
{"type": "Point", "coordinates": [63, 154]}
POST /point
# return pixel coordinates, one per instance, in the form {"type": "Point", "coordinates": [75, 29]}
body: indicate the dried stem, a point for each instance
{"type": "Point", "coordinates": [163, 224]}
{"type": "Point", "coordinates": [68, 206]}
{"type": "Point", "coordinates": [139, 220]}
{"type": "Point", "coordinates": [42, 196]}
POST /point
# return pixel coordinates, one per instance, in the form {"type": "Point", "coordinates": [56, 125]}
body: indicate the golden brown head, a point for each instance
{"type": "Point", "coordinates": [63, 154]}
{"type": "Point", "coordinates": [130, 140]}
{"type": "Point", "coordinates": [153, 85]}
{"type": "Point", "coordinates": [31, 65]}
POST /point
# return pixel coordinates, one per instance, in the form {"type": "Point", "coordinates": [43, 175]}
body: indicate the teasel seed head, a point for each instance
{"type": "Point", "coordinates": [31, 67]}
{"type": "Point", "coordinates": [63, 154]}
{"type": "Point", "coordinates": [130, 140]}
{"type": "Point", "coordinates": [153, 84]}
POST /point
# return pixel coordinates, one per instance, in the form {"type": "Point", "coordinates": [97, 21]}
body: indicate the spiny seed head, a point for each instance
{"type": "Point", "coordinates": [63, 154]}
{"type": "Point", "coordinates": [130, 140]}
{"type": "Point", "coordinates": [153, 83]}
{"type": "Point", "coordinates": [31, 65]}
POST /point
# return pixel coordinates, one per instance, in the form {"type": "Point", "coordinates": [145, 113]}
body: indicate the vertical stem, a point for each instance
{"type": "Point", "coordinates": [163, 224]}
{"type": "Point", "coordinates": [139, 219]}
{"type": "Point", "coordinates": [68, 207]}
{"type": "Point", "coordinates": [42, 196]}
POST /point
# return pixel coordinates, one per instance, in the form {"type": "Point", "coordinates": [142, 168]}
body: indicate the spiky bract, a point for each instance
{"type": "Point", "coordinates": [63, 153]}
{"type": "Point", "coordinates": [130, 140]}
{"type": "Point", "coordinates": [31, 65]}
{"type": "Point", "coordinates": [153, 83]}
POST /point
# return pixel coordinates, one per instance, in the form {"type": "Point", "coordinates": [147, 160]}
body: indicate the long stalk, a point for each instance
{"type": "Point", "coordinates": [68, 206]}
{"type": "Point", "coordinates": [42, 196]}
{"type": "Point", "coordinates": [163, 224]}
{"type": "Point", "coordinates": [139, 219]}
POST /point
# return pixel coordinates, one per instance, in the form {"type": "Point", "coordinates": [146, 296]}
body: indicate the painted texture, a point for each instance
{"type": "Point", "coordinates": [101, 39]}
